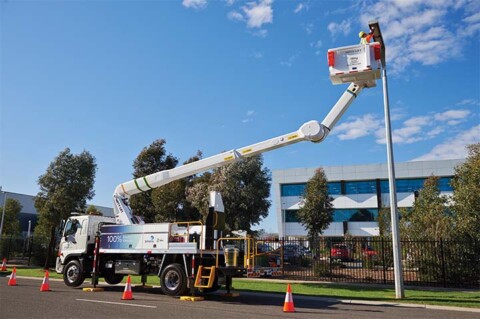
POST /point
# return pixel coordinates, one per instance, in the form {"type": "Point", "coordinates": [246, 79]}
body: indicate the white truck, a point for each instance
{"type": "Point", "coordinates": [193, 255]}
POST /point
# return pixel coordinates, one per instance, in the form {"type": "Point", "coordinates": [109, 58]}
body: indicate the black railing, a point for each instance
{"type": "Point", "coordinates": [425, 263]}
{"type": "Point", "coordinates": [23, 250]}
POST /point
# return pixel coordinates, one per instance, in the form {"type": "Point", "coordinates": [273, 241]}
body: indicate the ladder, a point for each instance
{"type": "Point", "coordinates": [205, 273]}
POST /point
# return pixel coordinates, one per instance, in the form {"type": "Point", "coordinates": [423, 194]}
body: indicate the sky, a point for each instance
{"type": "Point", "coordinates": [110, 77]}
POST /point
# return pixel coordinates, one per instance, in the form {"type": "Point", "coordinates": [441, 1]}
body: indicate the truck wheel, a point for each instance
{"type": "Point", "coordinates": [112, 278]}
{"type": "Point", "coordinates": [173, 280]}
{"type": "Point", "coordinates": [73, 274]}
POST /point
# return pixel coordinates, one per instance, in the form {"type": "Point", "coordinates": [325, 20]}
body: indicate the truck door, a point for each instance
{"type": "Point", "coordinates": [75, 236]}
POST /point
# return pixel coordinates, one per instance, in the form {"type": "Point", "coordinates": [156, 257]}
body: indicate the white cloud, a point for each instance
{"type": "Point", "coordinates": [235, 16]}
{"type": "Point", "coordinates": [289, 61]}
{"type": "Point", "coordinates": [258, 13]}
{"type": "Point", "coordinates": [317, 46]}
{"type": "Point", "coordinates": [452, 117]}
{"type": "Point", "coordinates": [343, 27]}
{"type": "Point", "coordinates": [262, 33]}
{"type": "Point", "coordinates": [358, 127]}
{"type": "Point", "coordinates": [230, 2]}
{"type": "Point", "coordinates": [300, 7]}
{"type": "Point", "coordinates": [468, 102]}
{"type": "Point", "coordinates": [453, 148]}
{"type": "Point", "coordinates": [418, 31]}
{"type": "Point", "coordinates": [308, 27]}
{"type": "Point", "coordinates": [195, 4]}
{"type": "Point", "coordinates": [417, 121]}
{"type": "Point", "coordinates": [257, 55]}
{"type": "Point", "coordinates": [250, 114]}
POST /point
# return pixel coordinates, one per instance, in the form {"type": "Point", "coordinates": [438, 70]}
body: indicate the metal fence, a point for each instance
{"type": "Point", "coordinates": [23, 250]}
{"type": "Point", "coordinates": [425, 263]}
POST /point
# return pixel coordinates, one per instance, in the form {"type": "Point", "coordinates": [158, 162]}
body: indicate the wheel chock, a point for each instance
{"type": "Point", "coordinates": [93, 289]}
{"type": "Point", "coordinates": [192, 298]}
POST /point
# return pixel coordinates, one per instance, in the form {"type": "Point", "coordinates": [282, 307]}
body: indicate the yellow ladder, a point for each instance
{"type": "Point", "coordinates": [210, 276]}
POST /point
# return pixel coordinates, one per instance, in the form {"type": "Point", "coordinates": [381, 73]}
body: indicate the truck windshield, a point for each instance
{"type": "Point", "coordinates": [71, 227]}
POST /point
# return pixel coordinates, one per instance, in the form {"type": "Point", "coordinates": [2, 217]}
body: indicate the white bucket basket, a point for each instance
{"type": "Point", "coordinates": [356, 63]}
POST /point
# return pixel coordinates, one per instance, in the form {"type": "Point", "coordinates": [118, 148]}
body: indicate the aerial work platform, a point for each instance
{"type": "Point", "coordinates": [359, 64]}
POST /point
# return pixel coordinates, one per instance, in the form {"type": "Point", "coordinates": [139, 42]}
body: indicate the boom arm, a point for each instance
{"type": "Point", "coordinates": [309, 131]}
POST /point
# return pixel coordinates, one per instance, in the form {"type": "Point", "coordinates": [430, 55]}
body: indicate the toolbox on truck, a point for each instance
{"type": "Point", "coordinates": [356, 63]}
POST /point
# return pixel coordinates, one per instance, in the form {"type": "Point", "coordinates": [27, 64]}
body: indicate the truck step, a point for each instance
{"type": "Point", "coordinates": [201, 277]}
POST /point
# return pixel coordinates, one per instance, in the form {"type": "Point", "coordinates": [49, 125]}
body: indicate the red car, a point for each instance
{"type": "Point", "coordinates": [341, 252]}
{"type": "Point", "coordinates": [369, 252]}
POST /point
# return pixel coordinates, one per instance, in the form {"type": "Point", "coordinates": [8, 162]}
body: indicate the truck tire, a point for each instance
{"type": "Point", "coordinates": [112, 279]}
{"type": "Point", "coordinates": [73, 274]}
{"type": "Point", "coordinates": [173, 280]}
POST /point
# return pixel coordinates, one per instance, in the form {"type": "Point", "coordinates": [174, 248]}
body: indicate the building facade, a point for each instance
{"type": "Point", "coordinates": [29, 216]}
{"type": "Point", "coordinates": [358, 192]}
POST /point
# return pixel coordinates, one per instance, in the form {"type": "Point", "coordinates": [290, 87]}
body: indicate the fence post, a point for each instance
{"type": "Point", "coordinates": [282, 256]}
{"type": "Point", "coordinates": [30, 249]}
{"type": "Point", "coordinates": [384, 264]}
{"type": "Point", "coordinates": [330, 259]}
{"type": "Point", "coordinates": [443, 263]}
{"type": "Point", "coordinates": [9, 246]}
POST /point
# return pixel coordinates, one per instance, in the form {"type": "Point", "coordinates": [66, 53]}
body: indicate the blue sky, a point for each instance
{"type": "Point", "coordinates": [110, 77]}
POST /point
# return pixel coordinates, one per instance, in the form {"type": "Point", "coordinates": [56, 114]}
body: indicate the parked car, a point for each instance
{"type": "Point", "coordinates": [263, 248]}
{"type": "Point", "coordinates": [341, 252]}
{"type": "Point", "coordinates": [292, 251]}
{"type": "Point", "coordinates": [369, 252]}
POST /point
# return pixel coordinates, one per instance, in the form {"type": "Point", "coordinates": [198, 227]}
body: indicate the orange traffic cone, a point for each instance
{"type": "Point", "coordinates": [45, 284]}
{"type": "Point", "coordinates": [288, 305]}
{"type": "Point", "coordinates": [4, 265]}
{"type": "Point", "coordinates": [13, 278]}
{"type": "Point", "coordinates": [127, 293]}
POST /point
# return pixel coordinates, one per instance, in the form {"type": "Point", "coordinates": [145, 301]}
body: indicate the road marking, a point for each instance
{"type": "Point", "coordinates": [117, 303]}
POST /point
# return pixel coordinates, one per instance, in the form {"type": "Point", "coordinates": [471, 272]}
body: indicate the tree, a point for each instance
{"type": "Point", "coordinates": [245, 189]}
{"type": "Point", "coordinates": [170, 201]}
{"type": "Point", "coordinates": [151, 159]}
{"type": "Point", "coordinates": [64, 188]}
{"type": "Point", "coordinates": [429, 217]}
{"type": "Point", "coordinates": [11, 224]}
{"type": "Point", "coordinates": [316, 212]}
{"type": "Point", "coordinates": [92, 210]}
{"type": "Point", "coordinates": [198, 193]}
{"type": "Point", "coordinates": [466, 195]}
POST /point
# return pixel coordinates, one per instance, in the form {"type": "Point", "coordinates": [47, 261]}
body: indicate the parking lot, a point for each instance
{"type": "Point", "coordinates": [26, 301]}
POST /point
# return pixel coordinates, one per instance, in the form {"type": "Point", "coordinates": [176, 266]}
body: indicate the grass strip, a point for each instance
{"type": "Point", "coordinates": [441, 297]}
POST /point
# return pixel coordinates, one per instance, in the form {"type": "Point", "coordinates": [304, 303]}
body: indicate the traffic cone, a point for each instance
{"type": "Point", "coordinates": [288, 305]}
{"type": "Point", "coordinates": [13, 278]}
{"type": "Point", "coordinates": [45, 284]}
{"type": "Point", "coordinates": [4, 265]}
{"type": "Point", "coordinates": [127, 293]}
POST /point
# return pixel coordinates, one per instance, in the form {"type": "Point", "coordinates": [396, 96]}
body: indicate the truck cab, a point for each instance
{"type": "Point", "coordinates": [76, 246]}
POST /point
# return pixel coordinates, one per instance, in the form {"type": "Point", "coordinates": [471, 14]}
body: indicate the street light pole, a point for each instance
{"type": "Point", "coordinates": [3, 210]}
{"type": "Point", "coordinates": [397, 261]}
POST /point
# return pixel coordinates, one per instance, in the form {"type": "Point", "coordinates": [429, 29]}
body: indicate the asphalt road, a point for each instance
{"type": "Point", "coordinates": [26, 301]}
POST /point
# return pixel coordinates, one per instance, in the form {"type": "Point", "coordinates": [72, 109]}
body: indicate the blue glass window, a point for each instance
{"type": "Point", "coordinates": [360, 187]}
{"type": "Point", "coordinates": [292, 189]}
{"type": "Point", "coordinates": [291, 216]}
{"type": "Point", "coordinates": [361, 214]}
{"type": "Point", "coordinates": [415, 184]}
{"type": "Point", "coordinates": [444, 184]}
{"type": "Point", "coordinates": [334, 188]}
{"type": "Point", "coordinates": [340, 215]}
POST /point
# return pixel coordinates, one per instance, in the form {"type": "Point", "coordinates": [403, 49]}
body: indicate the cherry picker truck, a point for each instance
{"type": "Point", "coordinates": [193, 256]}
